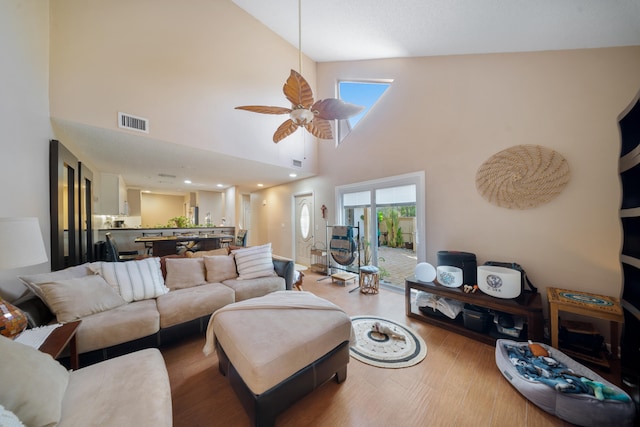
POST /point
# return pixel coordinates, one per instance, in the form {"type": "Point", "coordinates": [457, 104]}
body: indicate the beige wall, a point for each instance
{"type": "Point", "coordinates": [447, 115]}
{"type": "Point", "coordinates": [158, 209]}
{"type": "Point", "coordinates": [24, 120]}
{"type": "Point", "coordinates": [183, 68]}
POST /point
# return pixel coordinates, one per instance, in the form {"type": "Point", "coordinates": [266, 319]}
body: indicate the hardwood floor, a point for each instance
{"type": "Point", "coordinates": [457, 384]}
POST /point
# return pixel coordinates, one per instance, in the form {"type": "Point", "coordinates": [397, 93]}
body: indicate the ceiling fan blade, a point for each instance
{"type": "Point", "coordinates": [298, 91]}
{"type": "Point", "coordinates": [264, 109]}
{"type": "Point", "coordinates": [320, 128]}
{"type": "Point", "coordinates": [335, 109]}
{"type": "Point", "coordinates": [284, 130]}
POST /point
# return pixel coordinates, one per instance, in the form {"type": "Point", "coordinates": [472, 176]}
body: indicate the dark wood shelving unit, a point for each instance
{"type": "Point", "coordinates": [629, 125]}
{"type": "Point", "coordinates": [527, 306]}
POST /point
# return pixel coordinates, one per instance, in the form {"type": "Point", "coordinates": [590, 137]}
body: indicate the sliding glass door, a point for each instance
{"type": "Point", "coordinates": [390, 215]}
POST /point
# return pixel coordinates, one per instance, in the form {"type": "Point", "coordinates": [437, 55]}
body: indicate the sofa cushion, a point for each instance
{"type": "Point", "coordinates": [130, 390]}
{"type": "Point", "coordinates": [122, 324]}
{"type": "Point", "coordinates": [184, 272]}
{"type": "Point", "coordinates": [135, 280]}
{"type": "Point", "coordinates": [33, 281]}
{"type": "Point", "coordinates": [251, 288]}
{"type": "Point", "coordinates": [187, 304]}
{"type": "Point", "coordinates": [212, 252]}
{"type": "Point", "coordinates": [254, 262]}
{"type": "Point", "coordinates": [32, 384]}
{"type": "Point", "coordinates": [220, 268]}
{"type": "Point", "coordinates": [163, 262]}
{"type": "Point", "coordinates": [72, 299]}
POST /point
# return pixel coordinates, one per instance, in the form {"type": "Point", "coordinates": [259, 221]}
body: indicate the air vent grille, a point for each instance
{"type": "Point", "coordinates": [127, 121]}
{"type": "Point", "coordinates": [296, 163]}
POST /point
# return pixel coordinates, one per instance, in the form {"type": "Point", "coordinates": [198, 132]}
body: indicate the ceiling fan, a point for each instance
{"type": "Point", "coordinates": [304, 112]}
{"type": "Point", "coordinates": [313, 116]}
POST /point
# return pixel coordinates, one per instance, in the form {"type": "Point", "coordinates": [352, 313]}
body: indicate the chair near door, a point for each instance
{"type": "Point", "coordinates": [241, 238]}
{"type": "Point", "coordinates": [113, 254]}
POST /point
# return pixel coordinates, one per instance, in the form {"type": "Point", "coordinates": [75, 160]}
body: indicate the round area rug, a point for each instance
{"type": "Point", "coordinates": [382, 350]}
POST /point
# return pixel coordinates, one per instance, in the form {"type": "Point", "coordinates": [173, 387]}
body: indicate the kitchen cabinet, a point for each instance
{"type": "Point", "coordinates": [113, 195]}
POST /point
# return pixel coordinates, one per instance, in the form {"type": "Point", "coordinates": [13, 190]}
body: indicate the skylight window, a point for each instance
{"type": "Point", "coordinates": [365, 93]}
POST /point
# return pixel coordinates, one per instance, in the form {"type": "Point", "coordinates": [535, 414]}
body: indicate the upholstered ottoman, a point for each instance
{"type": "Point", "coordinates": [278, 348]}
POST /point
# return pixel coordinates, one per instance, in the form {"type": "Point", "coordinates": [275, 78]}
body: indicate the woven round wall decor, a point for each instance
{"type": "Point", "coordinates": [522, 176]}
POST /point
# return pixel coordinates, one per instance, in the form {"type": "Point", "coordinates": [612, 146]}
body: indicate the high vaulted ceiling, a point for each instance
{"type": "Point", "coordinates": [341, 30]}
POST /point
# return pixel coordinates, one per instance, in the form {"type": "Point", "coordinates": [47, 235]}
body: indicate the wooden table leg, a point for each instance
{"type": "Point", "coordinates": [553, 314]}
{"type": "Point", "coordinates": [614, 339]}
{"type": "Point", "coordinates": [74, 361]}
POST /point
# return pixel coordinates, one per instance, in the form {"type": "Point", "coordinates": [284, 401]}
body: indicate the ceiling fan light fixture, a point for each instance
{"type": "Point", "coordinates": [301, 116]}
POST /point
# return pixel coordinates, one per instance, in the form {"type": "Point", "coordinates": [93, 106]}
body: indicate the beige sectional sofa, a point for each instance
{"type": "Point", "coordinates": [130, 390]}
{"type": "Point", "coordinates": [121, 302]}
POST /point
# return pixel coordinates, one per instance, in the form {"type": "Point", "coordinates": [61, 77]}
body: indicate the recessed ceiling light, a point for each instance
{"type": "Point", "coordinates": [260, 185]}
{"type": "Point", "coordinates": [293, 175]}
{"type": "Point", "coordinates": [220, 185]}
{"type": "Point", "coordinates": [187, 181]}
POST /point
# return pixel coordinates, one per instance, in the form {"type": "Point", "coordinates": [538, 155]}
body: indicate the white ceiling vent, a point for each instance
{"type": "Point", "coordinates": [127, 121]}
{"type": "Point", "coordinates": [296, 163]}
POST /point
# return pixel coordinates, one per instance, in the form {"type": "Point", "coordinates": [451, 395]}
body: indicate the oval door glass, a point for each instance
{"type": "Point", "coordinates": [305, 221]}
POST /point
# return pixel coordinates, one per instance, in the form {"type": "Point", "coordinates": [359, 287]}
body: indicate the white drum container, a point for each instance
{"type": "Point", "coordinates": [499, 282]}
{"type": "Point", "coordinates": [449, 276]}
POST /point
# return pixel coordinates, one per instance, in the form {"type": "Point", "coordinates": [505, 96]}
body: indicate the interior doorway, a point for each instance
{"type": "Point", "coordinates": [245, 215]}
{"type": "Point", "coordinates": [304, 228]}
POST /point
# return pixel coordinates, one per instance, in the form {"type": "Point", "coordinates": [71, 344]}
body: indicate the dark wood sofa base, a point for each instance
{"type": "Point", "coordinates": [264, 408]}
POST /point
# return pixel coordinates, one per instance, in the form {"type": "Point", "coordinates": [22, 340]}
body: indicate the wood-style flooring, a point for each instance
{"type": "Point", "coordinates": [457, 384]}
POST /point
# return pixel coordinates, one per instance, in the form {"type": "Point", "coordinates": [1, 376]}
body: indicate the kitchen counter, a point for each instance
{"type": "Point", "coordinates": [125, 237]}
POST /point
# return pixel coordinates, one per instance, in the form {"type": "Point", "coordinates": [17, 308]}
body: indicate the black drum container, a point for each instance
{"type": "Point", "coordinates": [463, 260]}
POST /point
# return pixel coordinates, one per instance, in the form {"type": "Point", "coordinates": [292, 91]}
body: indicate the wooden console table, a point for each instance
{"type": "Point", "coordinates": [528, 306]}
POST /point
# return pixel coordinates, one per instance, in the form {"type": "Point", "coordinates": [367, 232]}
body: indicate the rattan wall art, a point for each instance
{"type": "Point", "coordinates": [522, 176]}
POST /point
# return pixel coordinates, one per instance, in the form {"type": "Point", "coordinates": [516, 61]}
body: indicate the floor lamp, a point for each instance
{"type": "Point", "coordinates": [21, 245]}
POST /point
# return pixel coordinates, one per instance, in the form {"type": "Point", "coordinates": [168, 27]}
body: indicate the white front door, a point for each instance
{"type": "Point", "coordinates": [304, 228]}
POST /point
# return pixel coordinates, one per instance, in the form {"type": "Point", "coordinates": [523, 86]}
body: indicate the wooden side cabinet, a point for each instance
{"type": "Point", "coordinates": [528, 306]}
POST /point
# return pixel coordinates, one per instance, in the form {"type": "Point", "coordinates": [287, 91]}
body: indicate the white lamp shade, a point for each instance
{"type": "Point", "coordinates": [21, 243]}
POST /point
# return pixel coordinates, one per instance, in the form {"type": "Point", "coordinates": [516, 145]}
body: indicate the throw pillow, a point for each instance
{"type": "Point", "coordinates": [255, 261]}
{"type": "Point", "coordinates": [75, 298]}
{"type": "Point", "coordinates": [220, 268]}
{"type": "Point", "coordinates": [184, 272]}
{"type": "Point", "coordinates": [33, 384]}
{"type": "Point", "coordinates": [135, 280]}
{"type": "Point", "coordinates": [8, 418]}
{"type": "Point", "coordinates": [220, 251]}
{"type": "Point", "coordinates": [33, 281]}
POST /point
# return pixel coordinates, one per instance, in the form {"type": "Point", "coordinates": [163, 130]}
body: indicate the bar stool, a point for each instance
{"type": "Point", "coordinates": [369, 279]}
